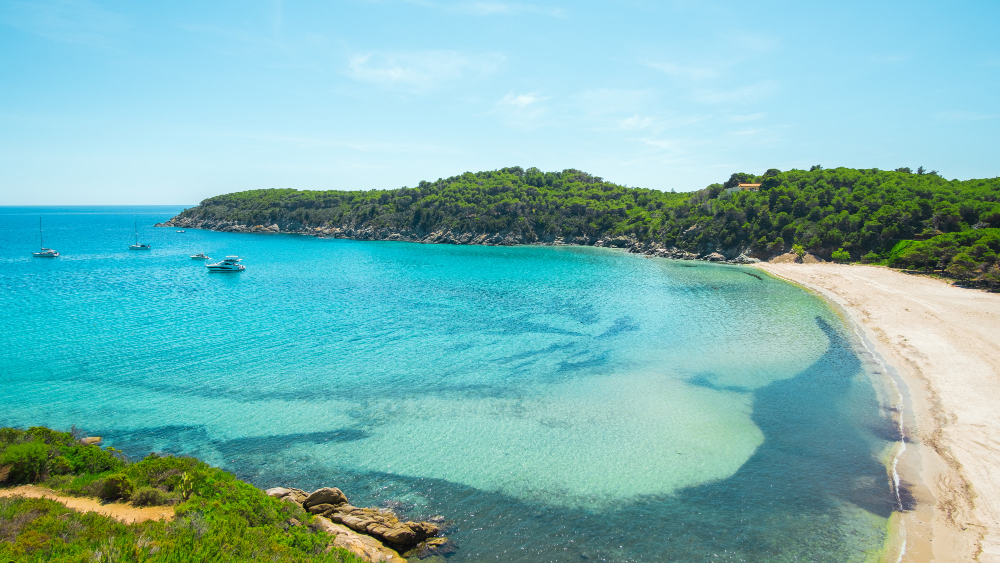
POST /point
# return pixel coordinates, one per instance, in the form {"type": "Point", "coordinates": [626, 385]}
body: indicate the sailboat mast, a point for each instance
{"type": "Point", "coordinates": [41, 240]}
{"type": "Point", "coordinates": [136, 229]}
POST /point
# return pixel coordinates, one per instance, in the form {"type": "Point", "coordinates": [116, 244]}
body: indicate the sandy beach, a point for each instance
{"type": "Point", "coordinates": [945, 343]}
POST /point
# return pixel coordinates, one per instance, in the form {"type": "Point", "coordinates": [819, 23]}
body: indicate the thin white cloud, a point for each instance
{"type": "Point", "coordinates": [70, 21]}
{"type": "Point", "coordinates": [685, 72]}
{"type": "Point", "coordinates": [522, 111]}
{"type": "Point", "coordinates": [482, 8]}
{"type": "Point", "coordinates": [608, 109]}
{"type": "Point", "coordinates": [507, 9]}
{"type": "Point", "coordinates": [636, 123]}
{"type": "Point", "coordinates": [755, 42]}
{"type": "Point", "coordinates": [745, 118]}
{"type": "Point", "coordinates": [605, 101]}
{"type": "Point", "coordinates": [314, 142]}
{"type": "Point", "coordinates": [737, 93]}
{"type": "Point", "coordinates": [747, 132]}
{"type": "Point", "coordinates": [419, 71]}
{"type": "Point", "coordinates": [886, 59]}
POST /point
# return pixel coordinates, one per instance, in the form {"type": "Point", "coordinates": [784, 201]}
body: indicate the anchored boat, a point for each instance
{"type": "Point", "coordinates": [138, 246]}
{"type": "Point", "coordinates": [230, 264]}
{"type": "Point", "coordinates": [43, 252]}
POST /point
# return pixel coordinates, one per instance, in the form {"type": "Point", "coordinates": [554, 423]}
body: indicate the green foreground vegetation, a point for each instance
{"type": "Point", "coordinates": [218, 517]}
{"type": "Point", "coordinates": [900, 218]}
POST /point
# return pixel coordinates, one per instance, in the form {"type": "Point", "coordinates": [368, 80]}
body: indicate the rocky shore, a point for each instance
{"type": "Point", "coordinates": [374, 534]}
{"type": "Point", "coordinates": [445, 236]}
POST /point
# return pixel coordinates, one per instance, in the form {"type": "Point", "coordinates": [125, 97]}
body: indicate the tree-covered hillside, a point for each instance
{"type": "Point", "coordinates": [843, 213]}
{"type": "Point", "coordinates": [536, 205]}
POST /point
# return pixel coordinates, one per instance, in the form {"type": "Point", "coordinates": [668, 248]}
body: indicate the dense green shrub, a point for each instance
{"type": "Point", "coordinates": [92, 459]}
{"type": "Point", "coordinates": [27, 461]}
{"type": "Point", "coordinates": [41, 530]}
{"type": "Point", "coordinates": [160, 471]}
{"type": "Point", "coordinates": [116, 487]}
{"type": "Point", "coordinates": [841, 255]}
{"type": "Point", "coordinates": [60, 465]}
{"type": "Point", "coordinates": [148, 496]}
{"type": "Point", "coordinates": [221, 519]}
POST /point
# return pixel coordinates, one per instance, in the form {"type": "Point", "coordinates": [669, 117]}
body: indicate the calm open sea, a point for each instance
{"type": "Point", "coordinates": [552, 403]}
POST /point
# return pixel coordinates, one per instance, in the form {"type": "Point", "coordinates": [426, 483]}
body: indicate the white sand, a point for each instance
{"type": "Point", "coordinates": [945, 342]}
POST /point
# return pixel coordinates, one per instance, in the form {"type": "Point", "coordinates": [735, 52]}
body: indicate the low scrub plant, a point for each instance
{"type": "Point", "coordinates": [116, 487]}
{"type": "Point", "coordinates": [841, 256]}
{"type": "Point", "coordinates": [220, 518]}
{"type": "Point", "coordinates": [26, 461]}
{"type": "Point", "coordinates": [149, 496]}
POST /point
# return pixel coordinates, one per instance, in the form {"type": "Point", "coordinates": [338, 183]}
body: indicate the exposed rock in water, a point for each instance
{"type": "Point", "coordinates": [431, 547]}
{"type": "Point", "coordinates": [92, 441]}
{"type": "Point", "coordinates": [365, 547]}
{"type": "Point", "coordinates": [371, 533]}
{"type": "Point", "coordinates": [744, 259]}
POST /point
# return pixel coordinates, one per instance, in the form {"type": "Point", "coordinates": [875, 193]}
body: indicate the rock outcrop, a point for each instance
{"type": "Point", "coordinates": [365, 547]}
{"type": "Point", "coordinates": [373, 534]}
{"type": "Point", "coordinates": [446, 236]}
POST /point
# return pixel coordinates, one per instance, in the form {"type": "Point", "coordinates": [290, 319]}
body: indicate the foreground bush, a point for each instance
{"type": "Point", "coordinates": [25, 462]}
{"type": "Point", "coordinates": [218, 517]}
{"type": "Point", "coordinates": [116, 487]}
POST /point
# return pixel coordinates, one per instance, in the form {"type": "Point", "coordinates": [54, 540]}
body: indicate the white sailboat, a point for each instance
{"type": "Point", "coordinates": [138, 246]}
{"type": "Point", "coordinates": [43, 252]}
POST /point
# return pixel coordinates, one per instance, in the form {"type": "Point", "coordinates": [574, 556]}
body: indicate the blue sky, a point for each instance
{"type": "Point", "coordinates": [172, 102]}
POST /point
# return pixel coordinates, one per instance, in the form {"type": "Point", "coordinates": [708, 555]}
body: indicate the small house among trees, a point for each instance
{"type": "Point", "coordinates": [744, 188]}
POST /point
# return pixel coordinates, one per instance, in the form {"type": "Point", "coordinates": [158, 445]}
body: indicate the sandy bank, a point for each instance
{"type": "Point", "coordinates": [125, 513]}
{"type": "Point", "coordinates": [945, 341]}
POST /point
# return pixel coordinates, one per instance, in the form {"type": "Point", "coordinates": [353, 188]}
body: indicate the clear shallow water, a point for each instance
{"type": "Point", "coordinates": [554, 404]}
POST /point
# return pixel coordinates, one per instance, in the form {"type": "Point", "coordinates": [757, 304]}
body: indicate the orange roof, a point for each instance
{"type": "Point", "coordinates": [749, 185]}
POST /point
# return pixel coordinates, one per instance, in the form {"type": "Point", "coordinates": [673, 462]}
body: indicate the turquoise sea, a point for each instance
{"type": "Point", "coordinates": [551, 403]}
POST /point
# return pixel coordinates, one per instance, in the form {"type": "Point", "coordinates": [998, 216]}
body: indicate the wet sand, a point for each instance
{"type": "Point", "coordinates": [945, 343]}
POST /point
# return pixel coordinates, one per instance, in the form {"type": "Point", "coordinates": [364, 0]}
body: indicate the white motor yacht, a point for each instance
{"type": "Point", "coordinates": [181, 231]}
{"type": "Point", "coordinates": [230, 264]}
{"type": "Point", "coordinates": [43, 252]}
{"type": "Point", "coordinates": [200, 256]}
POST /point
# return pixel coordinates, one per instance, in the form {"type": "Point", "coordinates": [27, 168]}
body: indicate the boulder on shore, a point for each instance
{"type": "Point", "coordinates": [365, 547]}
{"type": "Point", "coordinates": [371, 530]}
{"type": "Point", "coordinates": [327, 495]}
{"type": "Point", "coordinates": [381, 524]}
{"type": "Point", "coordinates": [92, 441]}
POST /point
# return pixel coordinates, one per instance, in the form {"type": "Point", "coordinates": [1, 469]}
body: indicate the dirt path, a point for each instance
{"type": "Point", "coordinates": [945, 342]}
{"type": "Point", "coordinates": [125, 513]}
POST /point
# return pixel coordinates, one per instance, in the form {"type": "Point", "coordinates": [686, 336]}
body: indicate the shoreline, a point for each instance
{"type": "Point", "coordinates": [937, 338]}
